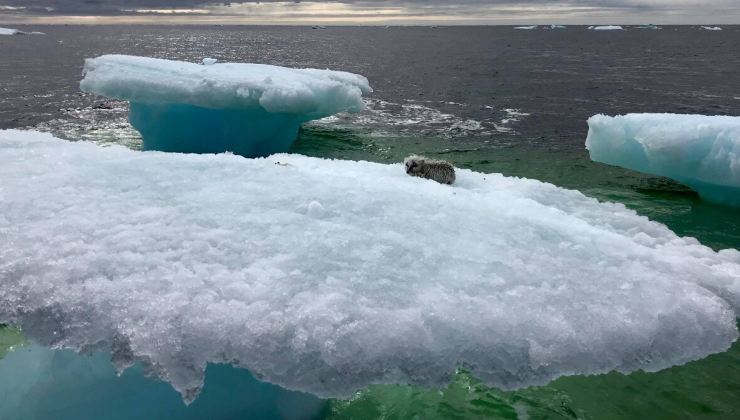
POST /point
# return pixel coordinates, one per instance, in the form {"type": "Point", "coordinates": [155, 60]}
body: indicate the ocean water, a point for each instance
{"type": "Point", "coordinates": [486, 98]}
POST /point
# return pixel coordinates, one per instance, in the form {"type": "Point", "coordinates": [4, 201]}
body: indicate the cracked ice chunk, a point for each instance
{"type": "Point", "coordinates": [700, 151]}
{"type": "Point", "coordinates": [327, 275]}
{"type": "Point", "coordinates": [249, 109]}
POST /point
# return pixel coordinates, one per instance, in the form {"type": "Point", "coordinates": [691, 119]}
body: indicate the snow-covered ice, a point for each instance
{"type": "Point", "coordinates": [326, 275]}
{"type": "Point", "coordinates": [606, 28]}
{"type": "Point", "coordinates": [711, 28]}
{"type": "Point", "coordinates": [702, 152]}
{"type": "Point", "coordinates": [248, 109]}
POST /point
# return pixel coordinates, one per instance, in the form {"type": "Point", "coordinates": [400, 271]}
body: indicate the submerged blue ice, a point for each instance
{"type": "Point", "coordinates": [248, 109]}
{"type": "Point", "coordinates": [194, 129]}
{"type": "Point", "coordinates": [40, 383]}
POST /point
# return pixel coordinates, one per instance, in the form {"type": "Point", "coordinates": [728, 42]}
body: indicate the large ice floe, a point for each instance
{"type": "Point", "coordinates": [326, 275]}
{"type": "Point", "coordinates": [248, 109]}
{"type": "Point", "coordinates": [702, 152]}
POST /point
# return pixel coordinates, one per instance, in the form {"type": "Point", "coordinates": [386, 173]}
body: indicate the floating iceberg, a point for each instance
{"type": "Point", "coordinates": [326, 275]}
{"type": "Point", "coordinates": [649, 26]}
{"type": "Point", "coordinates": [699, 151]}
{"type": "Point", "coordinates": [711, 28]}
{"type": "Point", "coordinates": [9, 31]}
{"type": "Point", "coordinates": [606, 28]}
{"type": "Point", "coordinates": [526, 27]}
{"type": "Point", "coordinates": [558, 27]}
{"type": "Point", "coordinates": [248, 109]}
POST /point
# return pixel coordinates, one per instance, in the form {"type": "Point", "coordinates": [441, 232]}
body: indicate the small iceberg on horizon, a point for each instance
{"type": "Point", "coordinates": [711, 28]}
{"type": "Point", "coordinates": [527, 28]}
{"type": "Point", "coordinates": [10, 31]}
{"type": "Point", "coordinates": [702, 152]}
{"type": "Point", "coordinates": [648, 26]}
{"type": "Point", "coordinates": [325, 276]}
{"type": "Point", "coordinates": [606, 28]}
{"type": "Point", "coordinates": [558, 27]}
{"type": "Point", "coordinates": [248, 109]}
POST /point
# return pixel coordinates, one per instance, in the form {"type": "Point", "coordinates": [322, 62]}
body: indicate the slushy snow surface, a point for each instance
{"type": "Point", "coordinates": [326, 276]}
{"type": "Point", "coordinates": [248, 109]}
{"type": "Point", "coordinates": [702, 152]}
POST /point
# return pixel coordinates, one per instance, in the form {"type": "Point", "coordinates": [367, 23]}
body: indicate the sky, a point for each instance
{"type": "Point", "coordinates": [371, 12]}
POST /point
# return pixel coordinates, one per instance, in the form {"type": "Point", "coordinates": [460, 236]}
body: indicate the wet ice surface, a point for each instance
{"type": "Point", "coordinates": [321, 276]}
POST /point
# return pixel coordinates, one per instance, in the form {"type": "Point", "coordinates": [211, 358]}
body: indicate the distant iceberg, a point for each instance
{"type": "Point", "coordinates": [606, 28]}
{"type": "Point", "coordinates": [326, 275]}
{"type": "Point", "coordinates": [558, 27]}
{"type": "Point", "coordinates": [9, 31]}
{"type": "Point", "coordinates": [526, 27]}
{"type": "Point", "coordinates": [648, 26]}
{"type": "Point", "coordinates": [248, 109]}
{"type": "Point", "coordinates": [711, 28]}
{"type": "Point", "coordinates": [699, 151]}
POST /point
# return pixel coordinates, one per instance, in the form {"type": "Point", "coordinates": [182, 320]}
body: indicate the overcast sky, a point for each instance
{"type": "Point", "coordinates": [373, 11]}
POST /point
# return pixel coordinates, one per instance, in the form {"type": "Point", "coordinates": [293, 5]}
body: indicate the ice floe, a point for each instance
{"type": "Point", "coordinates": [326, 276]}
{"type": "Point", "coordinates": [700, 151]}
{"type": "Point", "coordinates": [606, 28]}
{"type": "Point", "coordinates": [9, 31]}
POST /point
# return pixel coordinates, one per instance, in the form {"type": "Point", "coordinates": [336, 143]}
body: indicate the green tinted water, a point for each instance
{"type": "Point", "coordinates": [10, 339]}
{"type": "Point", "coordinates": [709, 388]}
